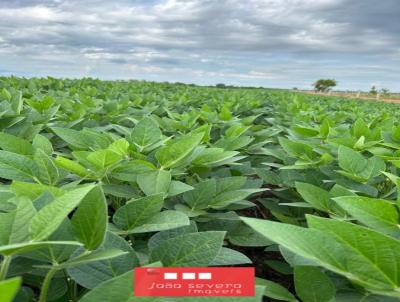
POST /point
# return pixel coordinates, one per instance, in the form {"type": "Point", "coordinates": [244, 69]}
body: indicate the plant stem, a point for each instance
{"type": "Point", "coordinates": [75, 288]}
{"type": "Point", "coordinates": [70, 293]}
{"type": "Point", "coordinates": [5, 264]}
{"type": "Point", "coordinates": [46, 284]}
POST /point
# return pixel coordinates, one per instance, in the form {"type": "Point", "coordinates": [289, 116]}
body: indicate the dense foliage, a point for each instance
{"type": "Point", "coordinates": [100, 177]}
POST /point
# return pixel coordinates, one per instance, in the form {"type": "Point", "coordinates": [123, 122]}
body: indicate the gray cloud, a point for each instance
{"type": "Point", "coordinates": [279, 43]}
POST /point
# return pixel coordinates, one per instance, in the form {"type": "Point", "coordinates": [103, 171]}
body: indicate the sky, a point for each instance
{"type": "Point", "coordinates": [269, 43]}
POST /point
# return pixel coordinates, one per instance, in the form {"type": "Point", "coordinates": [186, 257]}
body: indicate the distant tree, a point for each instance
{"type": "Point", "coordinates": [295, 88]}
{"type": "Point", "coordinates": [373, 90]}
{"type": "Point", "coordinates": [324, 85]}
{"type": "Point", "coordinates": [220, 85]}
{"type": "Point", "coordinates": [385, 91]}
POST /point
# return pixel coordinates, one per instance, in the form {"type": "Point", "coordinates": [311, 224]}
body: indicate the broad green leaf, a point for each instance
{"type": "Point", "coordinates": [89, 222]}
{"type": "Point", "coordinates": [212, 157]}
{"type": "Point", "coordinates": [5, 94]}
{"type": "Point", "coordinates": [155, 182]}
{"type": "Point", "coordinates": [15, 144]}
{"type": "Point", "coordinates": [243, 235]}
{"type": "Point", "coordinates": [160, 237]}
{"type": "Point", "coordinates": [279, 266]}
{"type": "Point", "coordinates": [360, 128]}
{"type": "Point", "coordinates": [294, 259]}
{"type": "Point", "coordinates": [202, 194]}
{"type": "Point", "coordinates": [92, 274]}
{"type": "Point", "coordinates": [48, 172]}
{"type": "Point", "coordinates": [117, 289]}
{"type": "Point", "coordinates": [94, 139]}
{"type": "Point", "coordinates": [377, 268]}
{"type": "Point", "coordinates": [228, 256]}
{"type": "Point", "coordinates": [34, 190]}
{"type": "Point", "coordinates": [17, 102]}
{"type": "Point", "coordinates": [312, 285]}
{"type": "Point", "coordinates": [338, 191]}
{"type": "Point", "coordinates": [137, 212]}
{"type": "Point", "coordinates": [396, 180]}
{"type": "Point", "coordinates": [17, 167]}
{"type": "Point", "coordinates": [375, 166]}
{"type": "Point", "coordinates": [225, 114]}
{"type": "Point", "coordinates": [43, 104]}
{"type": "Point", "coordinates": [341, 247]}
{"type": "Point", "coordinates": [49, 218]}
{"type": "Point", "coordinates": [296, 149]}
{"type": "Point", "coordinates": [226, 198]}
{"type": "Point", "coordinates": [120, 190]}
{"type": "Point", "coordinates": [104, 158]}
{"type": "Point", "coordinates": [71, 136]}
{"type": "Point", "coordinates": [41, 142]}
{"type": "Point", "coordinates": [236, 130]}
{"type": "Point", "coordinates": [317, 197]}
{"type": "Point", "coordinates": [194, 249]}
{"type": "Point", "coordinates": [178, 187]}
{"type": "Point", "coordinates": [360, 144]}
{"type": "Point", "coordinates": [161, 221]}
{"type": "Point", "coordinates": [84, 139]}
{"type": "Point", "coordinates": [9, 289]}
{"type": "Point", "coordinates": [233, 143]}
{"type": "Point", "coordinates": [120, 147]}
{"type": "Point", "coordinates": [351, 161]}
{"type": "Point", "coordinates": [14, 226]}
{"type": "Point", "coordinates": [379, 214]}
{"type": "Point", "coordinates": [19, 248]}
{"type": "Point", "coordinates": [171, 155]}
{"type": "Point", "coordinates": [308, 243]}
{"type": "Point", "coordinates": [230, 183]}
{"type": "Point", "coordinates": [305, 131]}
{"type": "Point", "coordinates": [146, 133]}
{"type": "Point", "coordinates": [276, 291]}
{"type": "Point", "coordinates": [396, 133]}
{"type": "Point", "coordinates": [248, 120]}
{"type": "Point", "coordinates": [188, 211]}
{"type": "Point", "coordinates": [81, 157]}
{"type": "Point", "coordinates": [129, 171]}
{"type": "Point", "coordinates": [56, 253]}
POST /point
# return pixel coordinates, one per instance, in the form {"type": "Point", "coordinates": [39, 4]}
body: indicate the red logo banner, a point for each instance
{"type": "Point", "coordinates": [194, 281]}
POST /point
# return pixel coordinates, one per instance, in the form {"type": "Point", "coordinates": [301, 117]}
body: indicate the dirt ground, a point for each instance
{"type": "Point", "coordinates": [353, 96]}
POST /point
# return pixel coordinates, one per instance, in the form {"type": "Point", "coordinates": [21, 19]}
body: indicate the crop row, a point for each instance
{"type": "Point", "coordinates": [97, 178]}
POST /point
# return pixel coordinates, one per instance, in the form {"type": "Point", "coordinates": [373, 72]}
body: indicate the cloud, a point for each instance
{"type": "Point", "coordinates": [279, 43]}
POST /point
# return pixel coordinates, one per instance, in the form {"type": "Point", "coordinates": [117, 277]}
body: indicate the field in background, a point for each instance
{"type": "Point", "coordinates": [389, 97]}
{"type": "Point", "coordinates": [100, 177]}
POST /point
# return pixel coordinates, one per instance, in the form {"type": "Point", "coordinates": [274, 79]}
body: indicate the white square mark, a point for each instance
{"type": "Point", "coordinates": [189, 276]}
{"type": "Point", "coordinates": [170, 276]}
{"type": "Point", "coordinates": [205, 276]}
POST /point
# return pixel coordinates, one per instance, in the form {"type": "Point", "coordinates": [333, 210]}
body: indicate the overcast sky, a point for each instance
{"type": "Point", "coordinates": [271, 43]}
